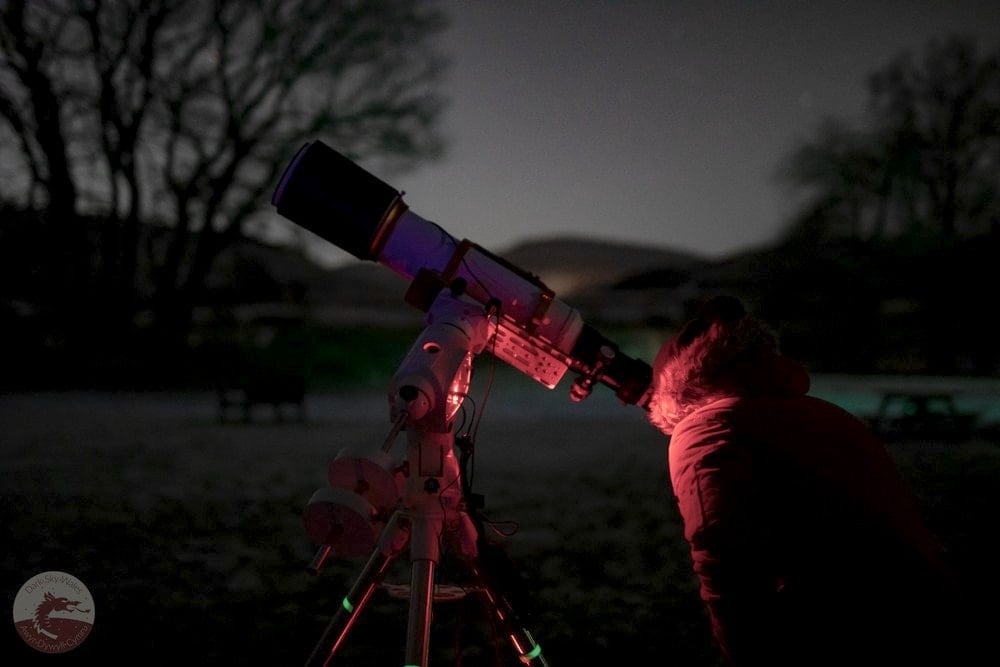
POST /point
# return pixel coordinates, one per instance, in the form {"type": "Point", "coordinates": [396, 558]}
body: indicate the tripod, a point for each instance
{"type": "Point", "coordinates": [423, 503]}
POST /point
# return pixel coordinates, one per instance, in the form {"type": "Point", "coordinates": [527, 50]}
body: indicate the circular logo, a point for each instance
{"type": "Point", "coordinates": [53, 612]}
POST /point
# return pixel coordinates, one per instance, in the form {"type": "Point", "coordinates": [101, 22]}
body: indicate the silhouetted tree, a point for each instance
{"type": "Point", "coordinates": [918, 184]}
{"type": "Point", "coordinates": [925, 164]}
{"type": "Point", "coordinates": [152, 132]}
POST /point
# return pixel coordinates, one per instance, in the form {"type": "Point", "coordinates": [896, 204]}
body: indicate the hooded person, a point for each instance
{"type": "Point", "coordinates": [807, 544]}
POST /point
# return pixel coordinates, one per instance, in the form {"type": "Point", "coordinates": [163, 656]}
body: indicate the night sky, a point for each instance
{"type": "Point", "coordinates": [657, 123]}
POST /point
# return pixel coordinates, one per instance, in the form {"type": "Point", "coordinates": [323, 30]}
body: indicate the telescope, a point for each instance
{"type": "Point", "coordinates": [475, 302]}
{"type": "Point", "coordinates": [326, 193]}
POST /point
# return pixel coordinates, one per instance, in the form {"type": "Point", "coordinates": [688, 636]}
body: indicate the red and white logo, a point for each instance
{"type": "Point", "coordinates": [53, 612]}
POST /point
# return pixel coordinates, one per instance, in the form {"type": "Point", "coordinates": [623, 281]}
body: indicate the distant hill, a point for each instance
{"type": "Point", "coordinates": [570, 265]}
{"type": "Point", "coordinates": [566, 265]}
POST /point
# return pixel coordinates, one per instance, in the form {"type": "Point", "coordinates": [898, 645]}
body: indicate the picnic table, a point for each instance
{"type": "Point", "coordinates": [921, 414]}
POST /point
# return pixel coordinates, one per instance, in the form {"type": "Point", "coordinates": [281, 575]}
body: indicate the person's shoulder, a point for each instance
{"type": "Point", "coordinates": [708, 435]}
{"type": "Point", "coordinates": [711, 420]}
{"type": "Point", "coordinates": [752, 402]}
{"type": "Point", "coordinates": [796, 414]}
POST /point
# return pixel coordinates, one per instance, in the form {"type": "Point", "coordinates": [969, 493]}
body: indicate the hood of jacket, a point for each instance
{"type": "Point", "coordinates": [722, 352]}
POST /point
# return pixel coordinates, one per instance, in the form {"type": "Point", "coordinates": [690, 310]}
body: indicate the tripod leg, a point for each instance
{"type": "Point", "coordinates": [419, 623]}
{"type": "Point", "coordinates": [425, 553]}
{"type": "Point", "coordinates": [527, 649]}
{"type": "Point", "coordinates": [359, 595]}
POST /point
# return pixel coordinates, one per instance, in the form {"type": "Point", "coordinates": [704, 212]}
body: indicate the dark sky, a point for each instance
{"type": "Point", "coordinates": [653, 122]}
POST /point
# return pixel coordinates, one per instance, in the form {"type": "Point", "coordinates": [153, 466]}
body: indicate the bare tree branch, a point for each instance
{"type": "Point", "coordinates": [182, 113]}
{"type": "Point", "coordinates": [927, 163]}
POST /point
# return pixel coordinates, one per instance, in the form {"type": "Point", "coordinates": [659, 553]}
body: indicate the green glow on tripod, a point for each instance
{"type": "Point", "coordinates": [346, 604]}
{"type": "Point", "coordinates": [533, 653]}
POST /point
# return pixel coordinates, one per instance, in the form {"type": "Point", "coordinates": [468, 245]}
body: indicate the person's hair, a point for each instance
{"type": "Point", "coordinates": [699, 363]}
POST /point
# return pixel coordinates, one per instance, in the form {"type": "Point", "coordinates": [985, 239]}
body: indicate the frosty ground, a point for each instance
{"type": "Point", "coordinates": [188, 532]}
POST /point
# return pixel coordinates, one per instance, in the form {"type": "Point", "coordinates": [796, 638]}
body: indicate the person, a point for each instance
{"type": "Point", "coordinates": [807, 543]}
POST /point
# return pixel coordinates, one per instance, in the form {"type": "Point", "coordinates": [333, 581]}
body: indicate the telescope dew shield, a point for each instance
{"type": "Point", "coordinates": [311, 194]}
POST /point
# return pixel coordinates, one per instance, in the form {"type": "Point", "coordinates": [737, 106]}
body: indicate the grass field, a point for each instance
{"type": "Point", "coordinates": [188, 532]}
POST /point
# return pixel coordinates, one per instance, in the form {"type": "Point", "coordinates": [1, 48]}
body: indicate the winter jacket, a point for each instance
{"type": "Point", "coordinates": [807, 544]}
